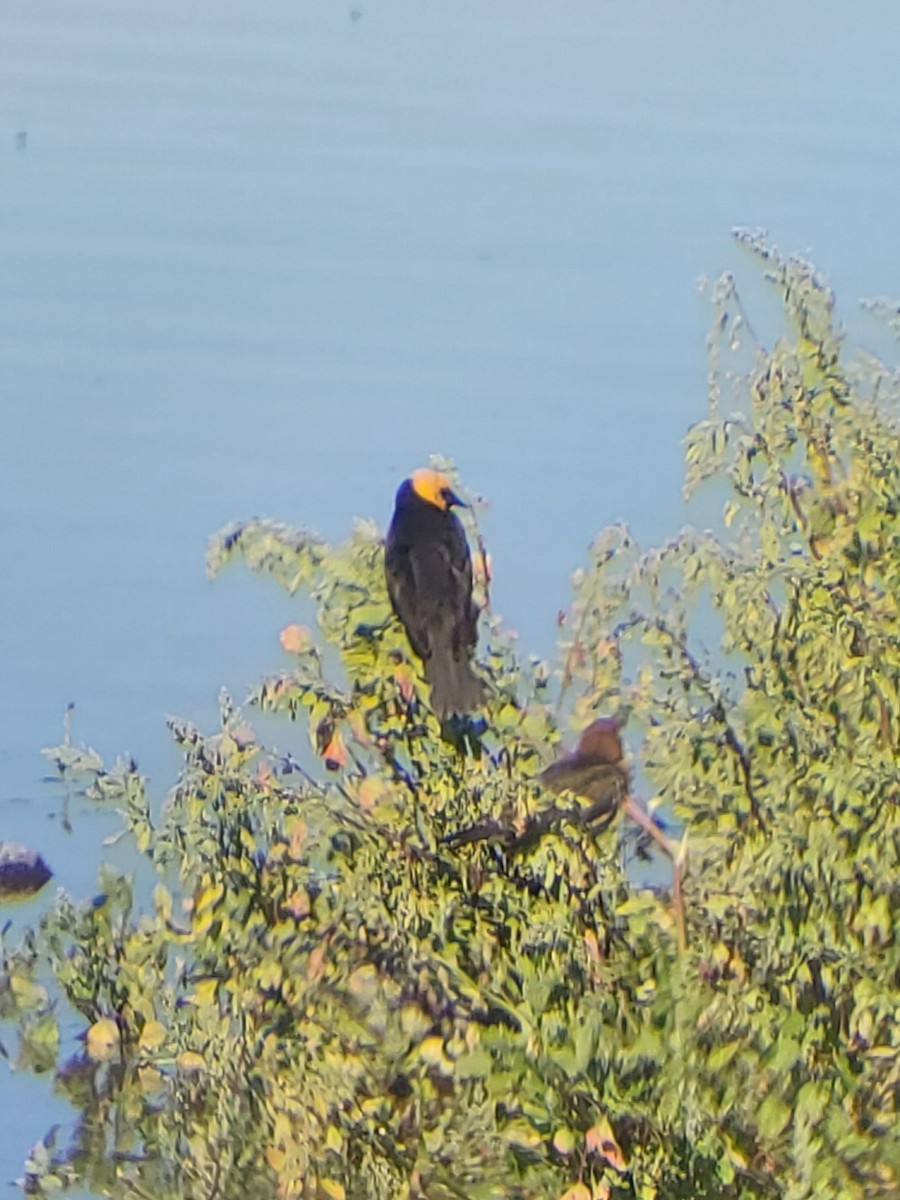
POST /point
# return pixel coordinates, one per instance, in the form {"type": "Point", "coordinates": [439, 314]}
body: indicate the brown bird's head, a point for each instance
{"type": "Point", "coordinates": [600, 743]}
{"type": "Point", "coordinates": [594, 769]}
{"type": "Point", "coordinates": [434, 488]}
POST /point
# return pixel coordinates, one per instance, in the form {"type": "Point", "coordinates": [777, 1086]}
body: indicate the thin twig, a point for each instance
{"type": "Point", "coordinates": [634, 812]}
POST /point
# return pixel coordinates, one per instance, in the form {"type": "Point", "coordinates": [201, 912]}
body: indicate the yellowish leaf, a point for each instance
{"type": "Point", "coordinates": [205, 992]}
{"type": "Point", "coordinates": [370, 792]}
{"type": "Point", "coordinates": [431, 1050]}
{"type": "Point", "coordinates": [296, 639]}
{"type": "Point", "coordinates": [297, 904]}
{"type": "Point", "coordinates": [152, 1035]}
{"type": "Point", "coordinates": [578, 1191]}
{"type": "Point", "coordinates": [297, 832]}
{"type": "Point", "coordinates": [357, 723]}
{"type": "Point", "coordinates": [564, 1141]}
{"type": "Point", "coordinates": [209, 897]}
{"type": "Point", "coordinates": [522, 1133]}
{"type": "Point", "coordinates": [405, 680]}
{"type": "Point", "coordinates": [601, 1140]}
{"type": "Point", "coordinates": [189, 1061]}
{"type": "Point", "coordinates": [150, 1079]}
{"type": "Point", "coordinates": [335, 753]}
{"type": "Point", "coordinates": [102, 1041]}
{"type": "Point", "coordinates": [592, 945]}
{"type": "Point", "coordinates": [316, 962]}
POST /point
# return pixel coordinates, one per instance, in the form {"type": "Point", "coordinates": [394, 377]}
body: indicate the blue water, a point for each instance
{"type": "Point", "coordinates": [264, 259]}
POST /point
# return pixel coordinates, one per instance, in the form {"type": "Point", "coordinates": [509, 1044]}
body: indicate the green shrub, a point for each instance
{"type": "Point", "coordinates": [333, 994]}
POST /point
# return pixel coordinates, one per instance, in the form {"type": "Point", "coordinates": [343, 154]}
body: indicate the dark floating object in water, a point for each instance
{"type": "Point", "coordinates": [22, 871]}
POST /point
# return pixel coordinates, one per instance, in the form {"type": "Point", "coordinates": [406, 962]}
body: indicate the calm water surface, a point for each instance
{"type": "Point", "coordinates": [264, 259]}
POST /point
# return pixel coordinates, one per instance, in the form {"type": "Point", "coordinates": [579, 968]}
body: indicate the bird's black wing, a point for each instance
{"type": "Point", "coordinates": [430, 584]}
{"type": "Point", "coordinates": [464, 609]}
{"type": "Point", "coordinates": [412, 608]}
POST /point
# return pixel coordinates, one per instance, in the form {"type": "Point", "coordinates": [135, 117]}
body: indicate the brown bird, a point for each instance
{"type": "Point", "coordinates": [429, 580]}
{"type": "Point", "coordinates": [594, 769]}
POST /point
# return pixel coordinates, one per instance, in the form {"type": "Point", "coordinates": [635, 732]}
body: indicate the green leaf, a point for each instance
{"type": "Point", "coordinates": [773, 1117]}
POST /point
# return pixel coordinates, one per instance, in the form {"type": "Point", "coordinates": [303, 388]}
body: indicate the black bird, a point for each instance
{"type": "Point", "coordinates": [429, 580]}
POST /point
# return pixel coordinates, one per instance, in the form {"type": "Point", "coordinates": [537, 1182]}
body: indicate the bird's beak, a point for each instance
{"type": "Point", "coordinates": [451, 499]}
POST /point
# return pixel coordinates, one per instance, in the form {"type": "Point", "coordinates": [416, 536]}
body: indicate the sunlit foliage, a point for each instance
{"type": "Point", "coordinates": [333, 994]}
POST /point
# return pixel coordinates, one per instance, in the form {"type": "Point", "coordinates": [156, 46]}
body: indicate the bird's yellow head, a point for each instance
{"type": "Point", "coordinates": [434, 488]}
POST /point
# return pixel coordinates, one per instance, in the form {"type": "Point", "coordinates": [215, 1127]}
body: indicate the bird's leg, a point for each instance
{"type": "Point", "coordinates": [464, 734]}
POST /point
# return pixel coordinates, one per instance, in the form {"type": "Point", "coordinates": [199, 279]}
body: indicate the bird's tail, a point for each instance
{"type": "Point", "coordinates": [455, 688]}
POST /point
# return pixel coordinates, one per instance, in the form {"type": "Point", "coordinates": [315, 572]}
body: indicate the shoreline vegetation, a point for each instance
{"type": "Point", "coordinates": [22, 871]}
{"type": "Point", "coordinates": [334, 993]}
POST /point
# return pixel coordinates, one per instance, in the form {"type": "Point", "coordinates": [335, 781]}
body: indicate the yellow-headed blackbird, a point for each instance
{"type": "Point", "coordinates": [429, 579]}
{"type": "Point", "coordinates": [594, 770]}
